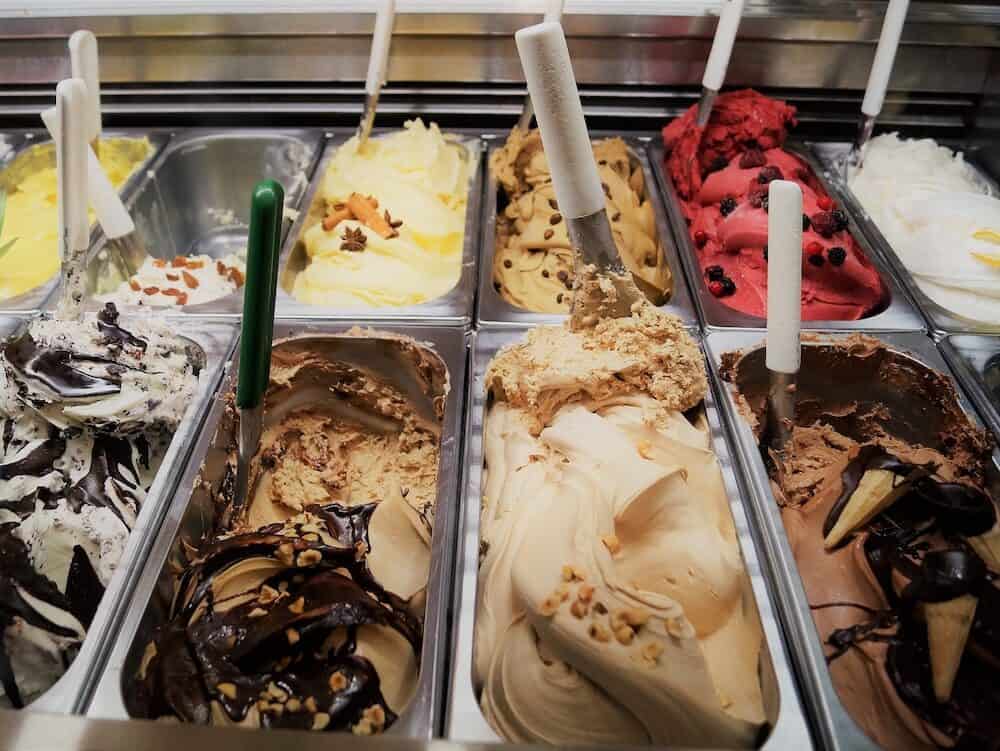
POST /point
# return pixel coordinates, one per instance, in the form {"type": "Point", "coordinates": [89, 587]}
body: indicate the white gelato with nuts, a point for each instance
{"type": "Point", "coordinates": [183, 280]}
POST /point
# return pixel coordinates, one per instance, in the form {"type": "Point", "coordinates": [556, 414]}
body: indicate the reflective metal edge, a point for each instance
{"type": "Point", "coordinates": [967, 355]}
{"type": "Point", "coordinates": [68, 694]}
{"type": "Point", "coordinates": [36, 299]}
{"type": "Point", "coordinates": [464, 721]}
{"type": "Point", "coordinates": [900, 315]}
{"type": "Point", "coordinates": [835, 729]}
{"type": "Point", "coordinates": [453, 308]}
{"type": "Point", "coordinates": [422, 717]}
{"type": "Point", "coordinates": [493, 310]}
{"type": "Point", "coordinates": [939, 319]}
{"type": "Point", "coordinates": [231, 305]}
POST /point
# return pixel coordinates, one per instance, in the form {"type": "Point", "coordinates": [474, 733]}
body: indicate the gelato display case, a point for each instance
{"type": "Point", "coordinates": [473, 526]}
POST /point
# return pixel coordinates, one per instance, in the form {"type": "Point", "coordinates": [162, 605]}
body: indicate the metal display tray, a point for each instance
{"type": "Point", "coordinates": [196, 197]}
{"type": "Point", "coordinates": [835, 728]}
{"type": "Point", "coordinates": [493, 310]}
{"type": "Point", "coordinates": [464, 721]}
{"type": "Point", "coordinates": [969, 355]}
{"type": "Point", "coordinates": [938, 318]}
{"type": "Point", "coordinates": [899, 314]}
{"type": "Point", "coordinates": [452, 308]}
{"type": "Point", "coordinates": [68, 694]}
{"type": "Point", "coordinates": [36, 145]}
{"type": "Point", "coordinates": [190, 516]}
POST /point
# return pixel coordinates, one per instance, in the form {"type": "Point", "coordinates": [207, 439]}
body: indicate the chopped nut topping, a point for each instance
{"type": "Point", "coordinates": [286, 554]}
{"type": "Point", "coordinates": [611, 543]}
{"type": "Point", "coordinates": [624, 635]}
{"type": "Point", "coordinates": [364, 727]}
{"type": "Point", "coordinates": [652, 651]}
{"type": "Point", "coordinates": [354, 240]}
{"type": "Point", "coordinates": [298, 606]}
{"type": "Point", "coordinates": [633, 616]}
{"type": "Point", "coordinates": [567, 573]}
{"type": "Point", "coordinates": [600, 608]}
{"type": "Point", "coordinates": [311, 537]}
{"type": "Point", "coordinates": [227, 689]}
{"type": "Point", "coordinates": [645, 449]}
{"type": "Point", "coordinates": [235, 276]}
{"type": "Point", "coordinates": [320, 721]}
{"type": "Point", "coordinates": [293, 635]}
{"type": "Point", "coordinates": [220, 267]}
{"type": "Point", "coordinates": [338, 681]}
{"type": "Point", "coordinates": [579, 608]}
{"type": "Point", "coordinates": [310, 704]}
{"type": "Point", "coordinates": [173, 277]}
{"type": "Point", "coordinates": [309, 558]}
{"type": "Point", "coordinates": [150, 290]}
{"type": "Point", "coordinates": [360, 550]}
{"type": "Point", "coordinates": [134, 285]}
{"type": "Point", "coordinates": [293, 705]}
{"type": "Point", "coordinates": [276, 692]}
{"type": "Point", "coordinates": [179, 262]}
{"type": "Point", "coordinates": [599, 633]}
{"type": "Point", "coordinates": [585, 593]}
{"type": "Point", "coordinates": [549, 605]}
{"type": "Point", "coordinates": [190, 280]}
{"type": "Point", "coordinates": [257, 613]}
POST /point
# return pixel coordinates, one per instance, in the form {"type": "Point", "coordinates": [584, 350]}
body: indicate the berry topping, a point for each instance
{"type": "Point", "coordinates": [719, 163]}
{"type": "Point", "coordinates": [805, 223]}
{"type": "Point", "coordinates": [837, 255]}
{"type": "Point", "coordinates": [825, 203]}
{"type": "Point", "coordinates": [813, 248]}
{"type": "Point", "coordinates": [757, 195]}
{"type": "Point", "coordinates": [816, 259]}
{"type": "Point", "coordinates": [715, 273]}
{"type": "Point", "coordinates": [752, 158]}
{"type": "Point", "coordinates": [840, 219]}
{"type": "Point", "coordinates": [700, 238]}
{"type": "Point", "coordinates": [768, 174]}
{"type": "Point", "coordinates": [728, 286]}
{"type": "Point", "coordinates": [728, 206]}
{"type": "Point", "coordinates": [715, 288]}
{"type": "Point", "coordinates": [829, 222]}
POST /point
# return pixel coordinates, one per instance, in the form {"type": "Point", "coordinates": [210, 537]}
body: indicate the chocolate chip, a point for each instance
{"type": "Point", "coordinates": [508, 264]}
{"type": "Point", "coordinates": [545, 273]}
{"type": "Point", "coordinates": [563, 276]}
{"type": "Point", "coordinates": [555, 219]}
{"type": "Point", "coordinates": [554, 204]}
{"type": "Point", "coordinates": [559, 298]}
{"type": "Point", "coordinates": [548, 234]}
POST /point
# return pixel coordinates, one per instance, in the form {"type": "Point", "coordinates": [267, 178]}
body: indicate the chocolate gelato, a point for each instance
{"type": "Point", "coordinates": [533, 262]}
{"type": "Point", "coordinates": [885, 501]}
{"type": "Point", "coordinates": [305, 609]}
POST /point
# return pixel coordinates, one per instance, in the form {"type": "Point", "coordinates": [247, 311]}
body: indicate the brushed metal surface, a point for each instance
{"type": "Point", "coordinates": [196, 197]}
{"type": "Point", "coordinates": [464, 721]}
{"type": "Point", "coordinates": [191, 514]}
{"type": "Point", "coordinates": [939, 319]}
{"type": "Point", "coordinates": [898, 315]}
{"type": "Point", "coordinates": [213, 342]}
{"type": "Point", "coordinates": [970, 357]}
{"type": "Point", "coordinates": [835, 728]}
{"type": "Point", "coordinates": [34, 151]}
{"type": "Point", "coordinates": [455, 307]}
{"type": "Point", "coordinates": [492, 309]}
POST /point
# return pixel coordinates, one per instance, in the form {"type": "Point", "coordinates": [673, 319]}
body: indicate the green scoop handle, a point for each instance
{"type": "Point", "coordinates": [266, 208]}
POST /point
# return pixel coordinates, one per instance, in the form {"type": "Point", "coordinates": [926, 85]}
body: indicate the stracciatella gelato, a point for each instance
{"type": "Point", "coordinates": [940, 217]}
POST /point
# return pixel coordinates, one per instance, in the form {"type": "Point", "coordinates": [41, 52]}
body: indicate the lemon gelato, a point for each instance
{"type": "Point", "coordinates": [31, 218]}
{"type": "Point", "coordinates": [389, 227]}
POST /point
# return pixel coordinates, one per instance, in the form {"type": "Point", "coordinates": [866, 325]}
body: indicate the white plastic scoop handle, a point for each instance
{"type": "Point", "coordinates": [378, 60]}
{"type": "Point", "coordinates": [730, 14]}
{"type": "Point", "coordinates": [83, 60]}
{"type": "Point", "coordinates": [784, 276]}
{"type": "Point", "coordinates": [71, 166]}
{"type": "Point", "coordinates": [885, 57]}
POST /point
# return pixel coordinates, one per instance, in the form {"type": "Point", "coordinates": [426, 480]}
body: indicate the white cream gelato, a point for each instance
{"type": "Point", "coordinates": [184, 280]}
{"type": "Point", "coordinates": [939, 217]}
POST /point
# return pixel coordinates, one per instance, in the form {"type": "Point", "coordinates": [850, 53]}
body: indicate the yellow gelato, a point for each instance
{"type": "Point", "coordinates": [31, 217]}
{"type": "Point", "coordinates": [389, 226]}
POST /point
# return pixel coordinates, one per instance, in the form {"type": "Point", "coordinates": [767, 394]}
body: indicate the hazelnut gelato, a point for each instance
{"type": "Point", "coordinates": [613, 605]}
{"type": "Point", "coordinates": [533, 262]}
{"type": "Point", "coordinates": [305, 610]}
{"type": "Point", "coordinates": [884, 499]}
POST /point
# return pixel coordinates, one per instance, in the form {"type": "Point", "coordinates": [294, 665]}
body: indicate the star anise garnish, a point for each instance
{"type": "Point", "coordinates": [354, 240]}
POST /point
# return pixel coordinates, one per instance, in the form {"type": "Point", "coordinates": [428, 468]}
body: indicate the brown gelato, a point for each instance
{"type": "Point", "coordinates": [533, 263]}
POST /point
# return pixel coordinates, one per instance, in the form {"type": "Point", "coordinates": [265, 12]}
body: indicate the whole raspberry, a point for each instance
{"type": "Point", "coordinates": [716, 288]}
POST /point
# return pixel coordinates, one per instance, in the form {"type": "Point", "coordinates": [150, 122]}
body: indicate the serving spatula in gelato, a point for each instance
{"type": "Point", "coordinates": [553, 14]}
{"type": "Point", "coordinates": [71, 189]}
{"type": "Point", "coordinates": [378, 61]}
{"type": "Point", "coordinates": [878, 80]}
{"type": "Point", "coordinates": [730, 14]}
{"type": "Point", "coordinates": [602, 286]}
{"type": "Point", "coordinates": [84, 64]}
{"type": "Point", "coordinates": [258, 327]}
{"type": "Point", "coordinates": [784, 306]}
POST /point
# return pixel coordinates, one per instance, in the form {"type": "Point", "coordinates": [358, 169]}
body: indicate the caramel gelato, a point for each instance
{"type": "Point", "coordinates": [613, 604]}
{"type": "Point", "coordinates": [305, 610]}
{"type": "Point", "coordinates": [884, 500]}
{"type": "Point", "coordinates": [533, 262]}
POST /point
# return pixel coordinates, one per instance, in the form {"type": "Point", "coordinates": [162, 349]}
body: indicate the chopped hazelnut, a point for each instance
{"type": "Point", "coordinates": [645, 449]}
{"type": "Point", "coordinates": [173, 277]}
{"type": "Point", "coordinates": [567, 573]}
{"type": "Point", "coordinates": [309, 558]}
{"type": "Point", "coordinates": [549, 606]}
{"type": "Point", "coordinates": [268, 594]}
{"type": "Point", "coordinates": [286, 553]}
{"type": "Point", "coordinates": [293, 705]}
{"type": "Point", "coordinates": [293, 635]}
{"type": "Point", "coordinates": [134, 285]}
{"type": "Point", "coordinates": [611, 543]}
{"type": "Point", "coordinates": [624, 635]}
{"type": "Point", "coordinates": [227, 689]}
{"type": "Point", "coordinates": [190, 280]}
{"type": "Point", "coordinates": [585, 593]}
{"type": "Point", "coordinates": [652, 651]}
{"type": "Point", "coordinates": [298, 606]}
{"type": "Point", "coordinates": [338, 682]}
{"type": "Point", "coordinates": [579, 609]}
{"type": "Point", "coordinates": [150, 290]}
{"type": "Point", "coordinates": [597, 632]}
{"type": "Point", "coordinates": [257, 613]}
{"type": "Point", "coordinates": [310, 704]}
{"type": "Point", "coordinates": [320, 720]}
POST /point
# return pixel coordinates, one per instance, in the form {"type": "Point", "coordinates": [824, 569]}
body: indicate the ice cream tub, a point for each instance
{"type": "Point", "coordinates": [36, 154]}
{"type": "Point", "coordinates": [192, 212]}
{"type": "Point", "coordinates": [896, 313]}
{"type": "Point", "coordinates": [193, 514]}
{"type": "Point", "coordinates": [494, 309]}
{"type": "Point", "coordinates": [939, 318]}
{"type": "Point", "coordinates": [835, 727]}
{"type": "Point", "coordinates": [786, 725]}
{"type": "Point", "coordinates": [369, 274]}
{"type": "Point", "coordinates": [208, 346]}
{"type": "Point", "coordinates": [976, 361]}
